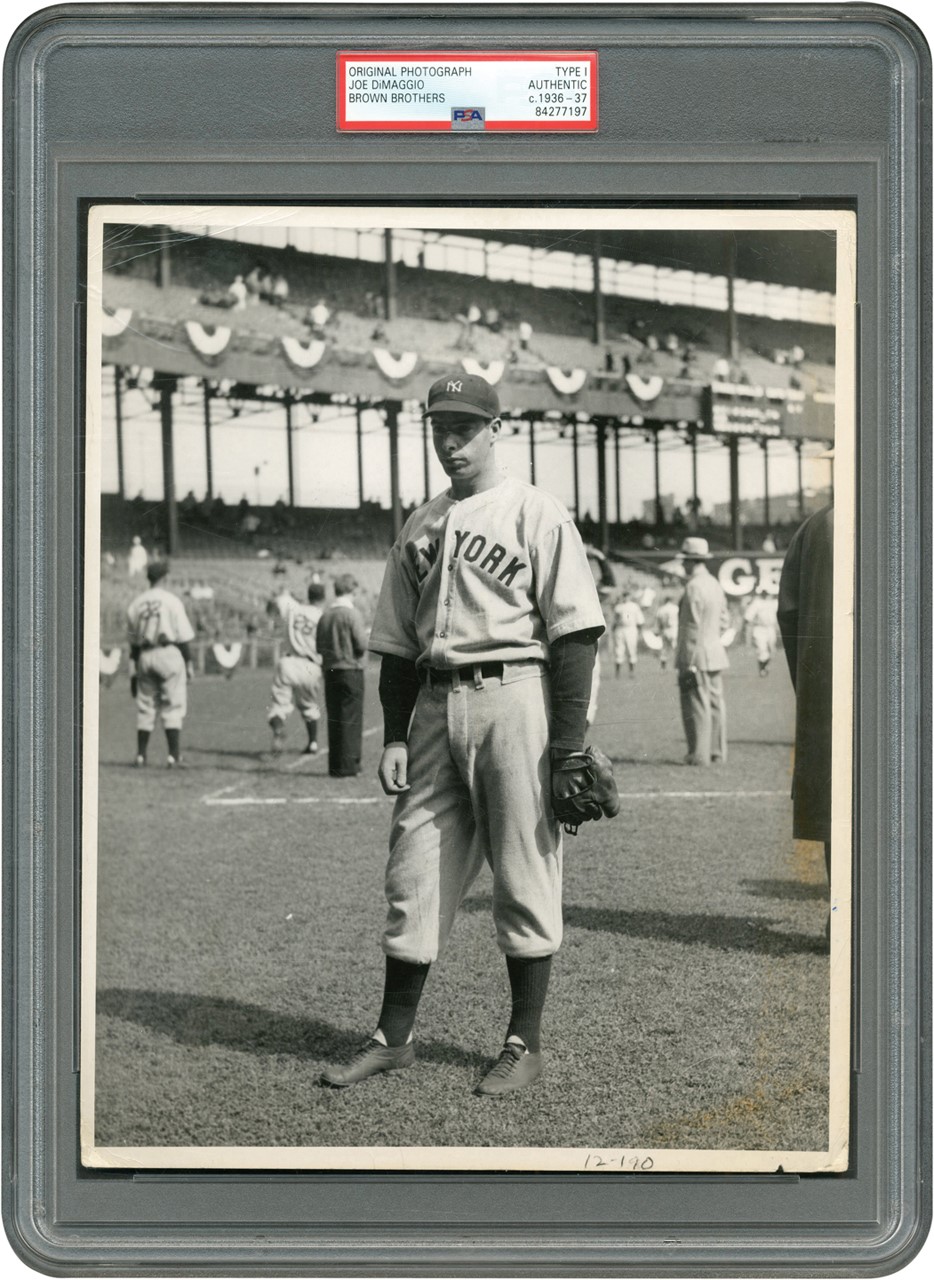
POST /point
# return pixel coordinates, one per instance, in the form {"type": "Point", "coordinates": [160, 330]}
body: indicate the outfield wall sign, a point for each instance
{"type": "Point", "coordinates": [405, 91]}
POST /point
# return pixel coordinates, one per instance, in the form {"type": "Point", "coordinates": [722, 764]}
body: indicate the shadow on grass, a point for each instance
{"type": "Point", "coordinates": [722, 933]}
{"type": "Point", "coordinates": [789, 890]}
{"type": "Point", "coordinates": [249, 1028]}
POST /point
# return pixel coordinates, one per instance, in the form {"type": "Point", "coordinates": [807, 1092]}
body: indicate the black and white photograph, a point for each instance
{"type": "Point", "coordinates": [468, 700]}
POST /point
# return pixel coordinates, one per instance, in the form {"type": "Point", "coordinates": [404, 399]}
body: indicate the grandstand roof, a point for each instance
{"type": "Point", "coordinates": [797, 259]}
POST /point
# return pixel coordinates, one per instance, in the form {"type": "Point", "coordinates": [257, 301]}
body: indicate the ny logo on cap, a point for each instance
{"type": "Point", "coordinates": [455, 386]}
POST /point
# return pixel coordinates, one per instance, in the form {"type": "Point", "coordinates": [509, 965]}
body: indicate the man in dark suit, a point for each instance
{"type": "Point", "coordinates": [805, 619]}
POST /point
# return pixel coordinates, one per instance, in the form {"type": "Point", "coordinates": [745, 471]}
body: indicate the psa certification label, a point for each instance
{"type": "Point", "coordinates": [466, 92]}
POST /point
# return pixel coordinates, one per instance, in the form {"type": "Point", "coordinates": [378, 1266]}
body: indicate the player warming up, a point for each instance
{"type": "Point", "coordinates": [160, 663]}
{"type": "Point", "coordinates": [298, 674]}
{"type": "Point", "coordinates": [487, 623]}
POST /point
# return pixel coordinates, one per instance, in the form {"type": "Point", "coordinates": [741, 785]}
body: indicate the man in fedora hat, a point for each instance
{"type": "Point", "coordinates": [701, 658]}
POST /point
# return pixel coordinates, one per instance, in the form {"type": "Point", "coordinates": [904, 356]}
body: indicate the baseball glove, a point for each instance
{"type": "Point", "coordinates": [583, 788]}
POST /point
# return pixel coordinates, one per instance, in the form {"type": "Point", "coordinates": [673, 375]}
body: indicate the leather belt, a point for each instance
{"type": "Point", "coordinates": [467, 672]}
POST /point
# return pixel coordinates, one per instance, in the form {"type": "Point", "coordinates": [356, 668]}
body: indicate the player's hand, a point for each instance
{"type": "Point", "coordinates": [394, 768]}
{"type": "Point", "coordinates": [190, 670]}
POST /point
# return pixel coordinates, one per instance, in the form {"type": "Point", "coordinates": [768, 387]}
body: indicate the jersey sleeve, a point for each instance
{"type": "Point", "coordinates": [393, 628]}
{"type": "Point", "coordinates": [564, 586]}
{"type": "Point", "coordinates": [285, 602]}
{"type": "Point", "coordinates": [183, 628]}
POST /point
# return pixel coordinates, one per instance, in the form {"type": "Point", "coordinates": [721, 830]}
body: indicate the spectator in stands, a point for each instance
{"type": "Point", "coordinates": [317, 318]}
{"type": "Point", "coordinates": [237, 291]}
{"type": "Point", "coordinates": [721, 369]}
{"type": "Point", "coordinates": [491, 320]}
{"type": "Point", "coordinates": [609, 363]}
{"type": "Point", "coordinates": [768, 543]}
{"type": "Point", "coordinates": [266, 286]}
{"type": "Point", "coordinates": [218, 511]}
{"type": "Point", "coordinates": [188, 504]}
{"type": "Point", "coordinates": [137, 560]}
{"type": "Point", "coordinates": [280, 516]}
{"type": "Point", "coordinates": [525, 335]}
{"type": "Point", "coordinates": [467, 322]}
{"type": "Point", "coordinates": [254, 280]}
{"type": "Point", "coordinates": [342, 644]}
{"type": "Point", "coordinates": [280, 291]}
{"type": "Point", "coordinates": [672, 342]}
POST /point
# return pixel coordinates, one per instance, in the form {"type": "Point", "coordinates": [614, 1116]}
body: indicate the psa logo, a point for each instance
{"type": "Point", "coordinates": [468, 117]}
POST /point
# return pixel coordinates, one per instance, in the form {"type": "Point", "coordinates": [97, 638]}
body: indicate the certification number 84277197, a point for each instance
{"type": "Point", "coordinates": [561, 111]}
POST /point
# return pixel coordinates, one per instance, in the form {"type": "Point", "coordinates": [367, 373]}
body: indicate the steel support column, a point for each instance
{"type": "Point", "coordinates": [208, 455]}
{"type": "Point", "coordinates": [601, 487]}
{"type": "Point", "coordinates": [389, 277]}
{"type": "Point", "coordinates": [165, 385]}
{"type": "Point", "coordinates": [736, 529]}
{"type": "Point", "coordinates": [391, 409]}
{"type": "Point", "coordinates": [360, 498]}
{"type": "Point", "coordinates": [599, 322]}
{"type": "Point", "coordinates": [289, 449]}
{"type": "Point", "coordinates": [118, 418]}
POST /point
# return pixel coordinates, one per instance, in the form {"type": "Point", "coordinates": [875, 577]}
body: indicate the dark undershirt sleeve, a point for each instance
{"type": "Point", "coordinates": [398, 691]}
{"type": "Point", "coordinates": [182, 647]}
{"type": "Point", "coordinates": [571, 661]}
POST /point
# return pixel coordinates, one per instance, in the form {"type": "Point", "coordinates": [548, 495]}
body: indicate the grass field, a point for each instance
{"type": "Point", "coordinates": [240, 908]}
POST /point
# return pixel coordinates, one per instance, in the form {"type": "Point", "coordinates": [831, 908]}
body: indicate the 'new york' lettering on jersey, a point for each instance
{"type": "Point", "coordinates": [493, 577]}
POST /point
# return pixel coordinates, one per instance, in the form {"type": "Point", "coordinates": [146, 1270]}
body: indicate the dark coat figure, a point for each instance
{"type": "Point", "coordinates": [805, 619]}
{"type": "Point", "coordinates": [342, 644]}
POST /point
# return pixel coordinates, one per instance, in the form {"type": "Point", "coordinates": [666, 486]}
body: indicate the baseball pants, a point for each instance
{"type": "Point", "coordinates": [343, 696]}
{"type": "Point", "coordinates": [763, 639]}
{"type": "Point", "coordinates": [161, 687]}
{"type": "Point", "coordinates": [480, 790]}
{"type": "Point", "coordinates": [299, 679]}
{"type": "Point", "coordinates": [626, 645]}
{"type": "Point", "coordinates": [703, 712]}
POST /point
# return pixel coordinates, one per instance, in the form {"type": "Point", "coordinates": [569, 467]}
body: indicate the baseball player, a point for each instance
{"type": "Point", "coordinates": [666, 628]}
{"type": "Point", "coordinates": [160, 663]}
{"type": "Point", "coordinates": [298, 674]}
{"type": "Point", "coordinates": [761, 616]}
{"type": "Point", "coordinates": [487, 623]}
{"type": "Point", "coordinates": [627, 619]}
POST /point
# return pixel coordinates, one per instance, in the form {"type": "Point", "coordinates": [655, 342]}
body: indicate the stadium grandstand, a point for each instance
{"type": "Point", "coordinates": [274, 372]}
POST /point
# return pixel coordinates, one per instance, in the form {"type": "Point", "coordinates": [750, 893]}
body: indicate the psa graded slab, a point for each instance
{"type": "Point", "coordinates": [467, 641]}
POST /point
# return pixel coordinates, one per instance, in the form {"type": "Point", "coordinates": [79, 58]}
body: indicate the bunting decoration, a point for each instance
{"type": "Point", "coordinates": [302, 356]}
{"type": "Point", "coordinates": [110, 665]}
{"type": "Point", "coordinates": [645, 389]}
{"type": "Point", "coordinates": [227, 656]}
{"type": "Point", "coordinates": [113, 323]}
{"type": "Point", "coordinates": [207, 343]}
{"type": "Point", "coordinates": [393, 367]}
{"type": "Point", "coordinates": [566, 384]}
{"type": "Point", "coordinates": [491, 372]}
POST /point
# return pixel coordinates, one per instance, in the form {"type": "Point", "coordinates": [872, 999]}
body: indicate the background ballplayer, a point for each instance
{"type": "Point", "coordinates": [298, 674]}
{"type": "Point", "coordinates": [160, 663]}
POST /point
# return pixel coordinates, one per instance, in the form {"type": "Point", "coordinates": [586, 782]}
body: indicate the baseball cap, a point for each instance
{"type": "Point", "coordinates": [695, 549]}
{"type": "Point", "coordinates": [465, 392]}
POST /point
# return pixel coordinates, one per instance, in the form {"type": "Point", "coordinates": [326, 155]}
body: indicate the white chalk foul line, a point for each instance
{"type": "Point", "coordinates": [223, 797]}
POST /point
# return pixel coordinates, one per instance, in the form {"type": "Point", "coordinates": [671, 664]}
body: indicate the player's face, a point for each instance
{"type": "Point", "coordinates": [464, 445]}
